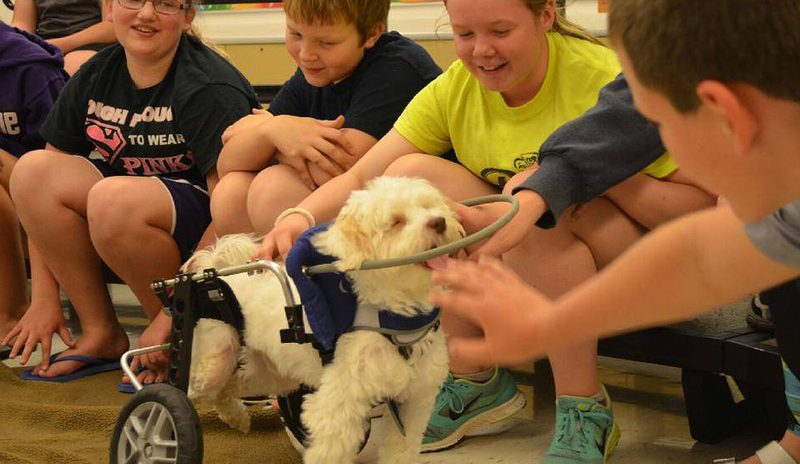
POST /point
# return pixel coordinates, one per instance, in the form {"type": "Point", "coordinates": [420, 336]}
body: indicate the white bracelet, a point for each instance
{"type": "Point", "coordinates": [302, 211]}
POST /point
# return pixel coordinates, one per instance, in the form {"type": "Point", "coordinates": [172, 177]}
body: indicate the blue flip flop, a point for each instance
{"type": "Point", "coordinates": [92, 366]}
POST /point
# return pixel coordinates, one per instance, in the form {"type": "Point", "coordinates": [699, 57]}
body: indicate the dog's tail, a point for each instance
{"type": "Point", "coordinates": [230, 250]}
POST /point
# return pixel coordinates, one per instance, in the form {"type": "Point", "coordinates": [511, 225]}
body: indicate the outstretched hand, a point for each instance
{"type": "Point", "coordinates": [278, 242]}
{"type": "Point", "coordinates": [477, 217]}
{"type": "Point", "coordinates": [511, 315]}
{"type": "Point", "coordinates": [38, 324]}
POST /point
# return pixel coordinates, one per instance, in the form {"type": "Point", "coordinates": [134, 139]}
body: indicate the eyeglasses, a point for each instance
{"type": "Point", "coordinates": [167, 7]}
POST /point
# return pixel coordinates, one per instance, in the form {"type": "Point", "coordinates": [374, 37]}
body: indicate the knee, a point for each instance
{"type": "Point", "coordinates": [74, 60]}
{"type": "Point", "coordinates": [412, 165]}
{"type": "Point", "coordinates": [30, 176]}
{"type": "Point", "coordinates": [586, 218]}
{"type": "Point", "coordinates": [518, 179]}
{"type": "Point", "coordinates": [230, 196]}
{"type": "Point", "coordinates": [113, 209]}
{"type": "Point", "coordinates": [271, 179]}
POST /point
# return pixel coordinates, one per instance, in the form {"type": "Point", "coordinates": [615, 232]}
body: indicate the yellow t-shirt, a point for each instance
{"type": "Point", "coordinates": [496, 141]}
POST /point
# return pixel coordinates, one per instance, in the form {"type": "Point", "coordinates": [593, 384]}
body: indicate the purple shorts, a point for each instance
{"type": "Point", "coordinates": [190, 208]}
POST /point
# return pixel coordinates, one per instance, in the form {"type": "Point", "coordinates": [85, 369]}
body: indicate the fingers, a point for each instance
{"type": "Point", "coordinates": [341, 157]}
{"type": "Point", "coordinates": [267, 249]}
{"type": "Point", "coordinates": [317, 155]}
{"type": "Point", "coordinates": [30, 347]}
{"type": "Point", "coordinates": [134, 366]}
{"type": "Point", "coordinates": [284, 244]}
{"type": "Point", "coordinates": [65, 336]}
{"type": "Point", "coordinates": [305, 176]}
{"type": "Point", "coordinates": [334, 123]}
{"type": "Point", "coordinates": [46, 348]}
{"type": "Point", "coordinates": [11, 335]}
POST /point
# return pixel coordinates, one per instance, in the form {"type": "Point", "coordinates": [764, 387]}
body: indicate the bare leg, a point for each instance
{"type": "Point", "coordinates": [229, 203]}
{"type": "Point", "coordinates": [50, 190]}
{"type": "Point", "coordinates": [74, 60]}
{"type": "Point", "coordinates": [130, 222]}
{"type": "Point", "coordinates": [13, 289]}
{"type": "Point", "coordinates": [605, 229]}
{"type": "Point", "coordinates": [273, 190]}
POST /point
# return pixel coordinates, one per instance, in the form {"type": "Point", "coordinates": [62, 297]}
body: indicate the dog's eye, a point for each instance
{"type": "Point", "coordinates": [398, 221]}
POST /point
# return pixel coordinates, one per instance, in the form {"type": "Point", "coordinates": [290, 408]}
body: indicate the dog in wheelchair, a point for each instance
{"type": "Point", "coordinates": [393, 217]}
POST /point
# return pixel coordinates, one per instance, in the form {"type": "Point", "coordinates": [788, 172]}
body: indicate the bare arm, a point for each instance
{"type": "Point", "coordinates": [689, 266]}
{"type": "Point", "coordinates": [254, 140]}
{"type": "Point", "coordinates": [652, 202]}
{"type": "Point", "coordinates": [102, 32]}
{"type": "Point", "coordinates": [25, 16]}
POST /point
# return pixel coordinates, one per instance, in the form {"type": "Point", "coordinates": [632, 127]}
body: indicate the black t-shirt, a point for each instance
{"type": "Point", "coordinates": [60, 18]}
{"type": "Point", "coordinates": [171, 129]}
{"type": "Point", "coordinates": [371, 98]}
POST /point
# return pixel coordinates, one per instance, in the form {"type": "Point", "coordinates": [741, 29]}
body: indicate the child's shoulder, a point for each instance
{"type": "Point", "coordinates": [393, 49]}
{"type": "Point", "coordinates": [574, 50]}
{"type": "Point", "coordinates": [199, 66]}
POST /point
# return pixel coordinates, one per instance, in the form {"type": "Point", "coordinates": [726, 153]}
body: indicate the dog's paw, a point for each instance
{"type": "Point", "coordinates": [236, 417]}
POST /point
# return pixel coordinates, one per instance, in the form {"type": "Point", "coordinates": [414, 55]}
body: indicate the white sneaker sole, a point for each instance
{"type": "Point", "coordinates": [491, 422]}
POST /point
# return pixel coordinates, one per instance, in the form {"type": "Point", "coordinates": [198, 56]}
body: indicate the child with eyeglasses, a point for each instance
{"type": "Point", "coordinates": [152, 109]}
{"type": "Point", "coordinates": [78, 28]}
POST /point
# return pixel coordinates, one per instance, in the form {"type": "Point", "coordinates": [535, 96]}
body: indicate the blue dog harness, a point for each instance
{"type": "Point", "coordinates": [332, 307]}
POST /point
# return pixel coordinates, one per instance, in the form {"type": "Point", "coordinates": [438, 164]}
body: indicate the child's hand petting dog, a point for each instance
{"type": "Point", "coordinates": [279, 241]}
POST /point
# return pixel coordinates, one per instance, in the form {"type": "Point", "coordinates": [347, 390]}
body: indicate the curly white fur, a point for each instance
{"type": "Point", "coordinates": [392, 217]}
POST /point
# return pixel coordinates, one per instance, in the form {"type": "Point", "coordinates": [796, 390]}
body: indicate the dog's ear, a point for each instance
{"type": "Point", "coordinates": [348, 241]}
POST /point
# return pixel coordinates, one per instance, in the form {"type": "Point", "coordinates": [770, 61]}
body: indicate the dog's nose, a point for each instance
{"type": "Point", "coordinates": [437, 224]}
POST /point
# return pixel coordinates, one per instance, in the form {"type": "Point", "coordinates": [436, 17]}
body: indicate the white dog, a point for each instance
{"type": "Point", "coordinates": [393, 217]}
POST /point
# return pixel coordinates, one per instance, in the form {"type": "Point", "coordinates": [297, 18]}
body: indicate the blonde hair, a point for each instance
{"type": "Point", "coordinates": [561, 24]}
{"type": "Point", "coordinates": [365, 15]}
{"type": "Point", "coordinates": [194, 33]}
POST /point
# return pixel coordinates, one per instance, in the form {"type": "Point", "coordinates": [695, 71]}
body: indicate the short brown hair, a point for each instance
{"type": "Point", "coordinates": [363, 14]}
{"type": "Point", "coordinates": [673, 45]}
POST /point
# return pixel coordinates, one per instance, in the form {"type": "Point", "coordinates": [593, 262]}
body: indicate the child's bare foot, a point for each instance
{"type": "Point", "coordinates": [109, 346]}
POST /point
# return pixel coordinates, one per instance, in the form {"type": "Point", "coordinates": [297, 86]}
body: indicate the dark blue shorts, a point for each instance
{"type": "Point", "coordinates": [190, 208]}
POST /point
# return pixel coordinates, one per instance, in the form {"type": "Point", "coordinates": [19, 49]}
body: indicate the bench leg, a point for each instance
{"type": "Point", "coordinates": [713, 415]}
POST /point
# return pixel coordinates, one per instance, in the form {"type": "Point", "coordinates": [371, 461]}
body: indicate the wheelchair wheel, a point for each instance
{"type": "Point", "coordinates": [159, 424]}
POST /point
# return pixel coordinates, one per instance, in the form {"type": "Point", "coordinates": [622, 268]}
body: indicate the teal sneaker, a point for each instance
{"type": "Point", "coordinates": [585, 431]}
{"type": "Point", "coordinates": [467, 409]}
{"type": "Point", "coordinates": [792, 391]}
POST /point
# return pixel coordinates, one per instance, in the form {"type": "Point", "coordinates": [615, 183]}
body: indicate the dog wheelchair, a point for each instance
{"type": "Point", "coordinates": [159, 423]}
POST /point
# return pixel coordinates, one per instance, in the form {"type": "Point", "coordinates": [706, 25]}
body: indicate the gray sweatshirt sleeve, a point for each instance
{"type": "Point", "coordinates": [590, 154]}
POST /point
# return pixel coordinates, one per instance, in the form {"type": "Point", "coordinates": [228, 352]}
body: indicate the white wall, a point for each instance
{"type": "Point", "coordinates": [5, 14]}
{"type": "Point", "coordinates": [420, 21]}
